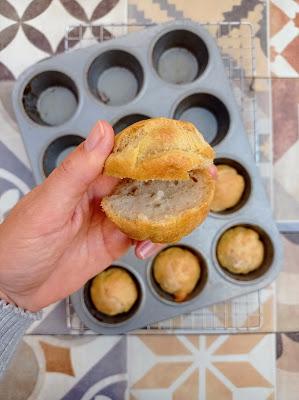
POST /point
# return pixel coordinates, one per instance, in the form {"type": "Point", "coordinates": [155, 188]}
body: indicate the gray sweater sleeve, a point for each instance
{"type": "Point", "coordinates": [13, 324]}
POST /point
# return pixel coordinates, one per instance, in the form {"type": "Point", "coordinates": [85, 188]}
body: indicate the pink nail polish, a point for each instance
{"type": "Point", "coordinates": [213, 171]}
{"type": "Point", "coordinates": [94, 137]}
{"type": "Point", "coordinates": [147, 249]}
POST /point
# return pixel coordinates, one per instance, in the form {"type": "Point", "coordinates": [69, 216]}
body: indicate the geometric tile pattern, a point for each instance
{"type": "Point", "coordinates": [225, 367]}
{"type": "Point", "coordinates": [284, 42]}
{"type": "Point", "coordinates": [288, 366]}
{"type": "Point", "coordinates": [201, 367]}
{"type": "Point", "coordinates": [57, 359]}
{"type": "Point", "coordinates": [254, 11]}
{"type": "Point", "coordinates": [25, 28]}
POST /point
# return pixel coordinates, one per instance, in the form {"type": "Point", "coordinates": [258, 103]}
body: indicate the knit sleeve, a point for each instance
{"type": "Point", "coordinates": [13, 324]}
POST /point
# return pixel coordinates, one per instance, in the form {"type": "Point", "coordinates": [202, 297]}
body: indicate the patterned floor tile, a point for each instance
{"type": "Point", "coordinates": [255, 12]}
{"type": "Point", "coordinates": [287, 286]}
{"type": "Point", "coordinates": [56, 368]}
{"type": "Point", "coordinates": [285, 111]}
{"type": "Point", "coordinates": [20, 379]}
{"type": "Point", "coordinates": [284, 42]}
{"type": "Point", "coordinates": [287, 366]}
{"type": "Point", "coordinates": [205, 367]}
{"type": "Point", "coordinates": [26, 31]}
{"type": "Point", "coordinates": [285, 103]}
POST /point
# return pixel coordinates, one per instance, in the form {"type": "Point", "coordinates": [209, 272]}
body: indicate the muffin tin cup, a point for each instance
{"type": "Point", "coordinates": [115, 320]}
{"type": "Point", "coordinates": [50, 98]}
{"type": "Point", "coordinates": [168, 298]}
{"type": "Point", "coordinates": [256, 275]}
{"type": "Point", "coordinates": [243, 170]}
{"type": "Point", "coordinates": [115, 77]}
{"type": "Point", "coordinates": [128, 120]}
{"type": "Point", "coordinates": [142, 62]}
{"type": "Point", "coordinates": [179, 56]}
{"type": "Point", "coordinates": [57, 150]}
{"type": "Point", "coordinates": [208, 113]}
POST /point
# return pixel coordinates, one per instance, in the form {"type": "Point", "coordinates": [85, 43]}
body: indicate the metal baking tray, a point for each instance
{"type": "Point", "coordinates": [141, 65]}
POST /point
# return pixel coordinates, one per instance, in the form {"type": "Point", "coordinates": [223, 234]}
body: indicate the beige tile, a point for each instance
{"type": "Point", "coordinates": [215, 389]}
{"type": "Point", "coordinates": [242, 374]}
{"type": "Point", "coordinates": [58, 359]}
{"type": "Point", "coordinates": [239, 344]}
{"type": "Point", "coordinates": [189, 389]}
{"type": "Point", "coordinates": [158, 346]}
{"type": "Point", "coordinates": [162, 375]}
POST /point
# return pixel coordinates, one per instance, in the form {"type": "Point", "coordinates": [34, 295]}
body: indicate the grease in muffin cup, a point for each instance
{"type": "Point", "coordinates": [50, 98]}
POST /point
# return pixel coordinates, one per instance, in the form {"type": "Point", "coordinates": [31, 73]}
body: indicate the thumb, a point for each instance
{"type": "Point", "coordinates": [67, 183]}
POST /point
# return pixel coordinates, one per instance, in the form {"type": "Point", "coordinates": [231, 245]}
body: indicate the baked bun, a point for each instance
{"type": "Point", "coordinates": [113, 291]}
{"type": "Point", "coordinates": [229, 188]}
{"type": "Point", "coordinates": [166, 190]}
{"type": "Point", "coordinates": [177, 271]}
{"type": "Point", "coordinates": [240, 250]}
{"type": "Point", "coordinates": [158, 148]}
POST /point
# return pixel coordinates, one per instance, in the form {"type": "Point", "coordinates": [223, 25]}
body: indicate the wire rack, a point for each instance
{"type": "Point", "coordinates": [235, 41]}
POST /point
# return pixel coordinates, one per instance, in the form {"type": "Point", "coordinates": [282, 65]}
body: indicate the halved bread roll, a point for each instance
{"type": "Point", "coordinates": [167, 190]}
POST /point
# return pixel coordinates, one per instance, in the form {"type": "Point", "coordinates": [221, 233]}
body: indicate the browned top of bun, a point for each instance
{"type": "Point", "coordinates": [158, 148]}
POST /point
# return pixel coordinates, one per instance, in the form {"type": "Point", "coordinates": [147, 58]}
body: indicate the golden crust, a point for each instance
{"type": "Point", "coordinates": [170, 229]}
{"type": "Point", "coordinates": [177, 271]}
{"type": "Point", "coordinates": [240, 250]}
{"type": "Point", "coordinates": [113, 291]}
{"type": "Point", "coordinates": [229, 188]}
{"type": "Point", "coordinates": [158, 148]}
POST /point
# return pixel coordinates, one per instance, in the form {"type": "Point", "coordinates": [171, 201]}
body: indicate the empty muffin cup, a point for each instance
{"type": "Point", "coordinates": [207, 113]}
{"type": "Point", "coordinates": [50, 98]}
{"type": "Point", "coordinates": [169, 298]}
{"type": "Point", "coordinates": [241, 170]}
{"type": "Point", "coordinates": [113, 319]}
{"type": "Point", "coordinates": [265, 265]}
{"type": "Point", "coordinates": [128, 120]}
{"type": "Point", "coordinates": [180, 56]}
{"type": "Point", "coordinates": [115, 77]}
{"type": "Point", "coordinates": [57, 151]}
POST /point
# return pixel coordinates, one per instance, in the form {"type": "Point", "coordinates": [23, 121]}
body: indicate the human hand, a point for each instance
{"type": "Point", "coordinates": [57, 237]}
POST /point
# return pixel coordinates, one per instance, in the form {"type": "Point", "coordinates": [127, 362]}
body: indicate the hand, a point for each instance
{"type": "Point", "coordinates": [57, 237]}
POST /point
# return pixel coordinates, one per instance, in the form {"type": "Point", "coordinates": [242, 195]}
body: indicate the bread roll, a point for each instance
{"type": "Point", "coordinates": [166, 190]}
{"type": "Point", "coordinates": [229, 188]}
{"type": "Point", "coordinates": [240, 250]}
{"type": "Point", "coordinates": [158, 148]}
{"type": "Point", "coordinates": [177, 271]}
{"type": "Point", "coordinates": [113, 291]}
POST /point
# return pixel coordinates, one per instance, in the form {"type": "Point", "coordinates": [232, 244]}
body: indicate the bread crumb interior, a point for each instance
{"type": "Point", "coordinates": [156, 199]}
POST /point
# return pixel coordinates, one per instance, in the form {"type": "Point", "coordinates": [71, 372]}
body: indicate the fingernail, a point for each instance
{"type": "Point", "coordinates": [94, 137]}
{"type": "Point", "coordinates": [213, 171]}
{"type": "Point", "coordinates": [147, 249]}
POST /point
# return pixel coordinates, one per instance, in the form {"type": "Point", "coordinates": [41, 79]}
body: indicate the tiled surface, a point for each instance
{"type": "Point", "coordinates": [287, 286]}
{"type": "Point", "coordinates": [288, 366]}
{"type": "Point", "coordinates": [253, 11]}
{"type": "Point", "coordinates": [188, 367]}
{"type": "Point", "coordinates": [284, 38]}
{"type": "Point", "coordinates": [285, 110]}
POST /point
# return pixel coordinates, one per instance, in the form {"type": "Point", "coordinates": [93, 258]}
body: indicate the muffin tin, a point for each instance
{"type": "Point", "coordinates": [173, 70]}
